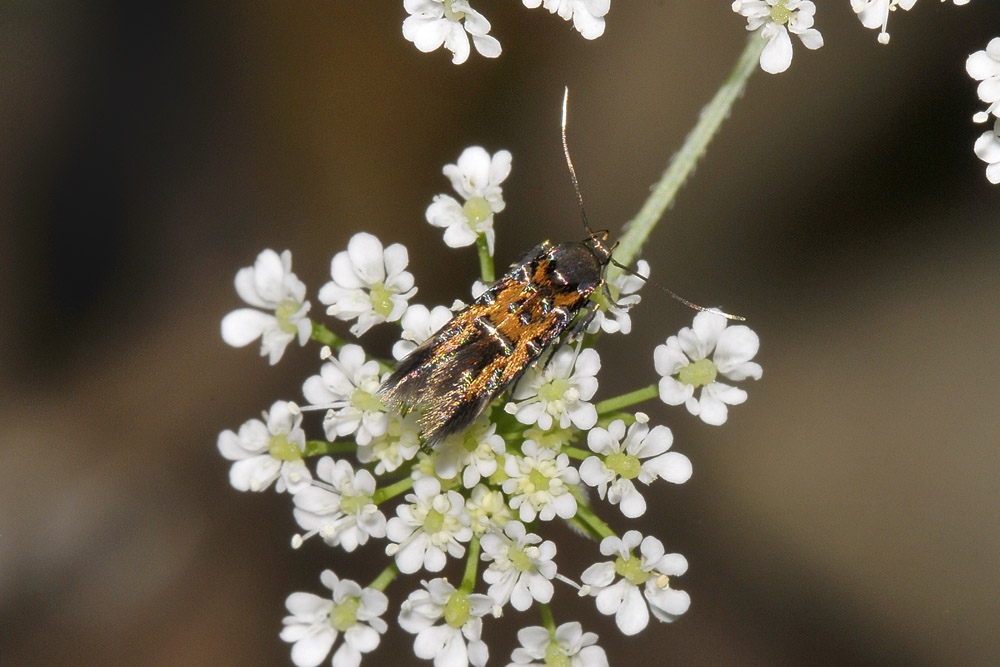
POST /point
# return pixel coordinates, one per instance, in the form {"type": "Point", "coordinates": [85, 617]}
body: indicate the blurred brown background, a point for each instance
{"type": "Point", "coordinates": [848, 514]}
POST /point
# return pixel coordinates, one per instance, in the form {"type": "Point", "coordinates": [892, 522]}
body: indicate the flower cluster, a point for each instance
{"type": "Point", "coordinates": [984, 66]}
{"type": "Point", "coordinates": [432, 24]}
{"type": "Point", "coordinates": [484, 494]}
{"type": "Point", "coordinates": [774, 19]}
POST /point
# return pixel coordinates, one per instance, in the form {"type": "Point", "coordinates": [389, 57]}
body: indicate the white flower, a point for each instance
{"type": "Point", "coordinates": [620, 462]}
{"type": "Point", "coordinates": [684, 364]}
{"type": "Point", "coordinates": [775, 19]}
{"type": "Point", "coordinates": [540, 483]}
{"type": "Point", "coordinates": [316, 622]}
{"type": "Point", "coordinates": [988, 150]}
{"type": "Point", "coordinates": [473, 453]}
{"type": "Point", "coordinates": [419, 324]}
{"type": "Point", "coordinates": [522, 566]}
{"type": "Point", "coordinates": [346, 388]}
{"type": "Point", "coordinates": [340, 511]}
{"type": "Point", "coordinates": [449, 22]}
{"type": "Point", "coordinates": [540, 649]}
{"type": "Point", "coordinates": [396, 446]}
{"type": "Point", "coordinates": [875, 14]}
{"type": "Point", "coordinates": [587, 15]}
{"type": "Point", "coordinates": [433, 524]}
{"type": "Point", "coordinates": [984, 66]}
{"type": "Point", "coordinates": [462, 616]}
{"type": "Point", "coordinates": [651, 570]}
{"type": "Point", "coordinates": [623, 290]}
{"type": "Point", "coordinates": [559, 392]}
{"type": "Point", "coordinates": [369, 283]}
{"type": "Point", "coordinates": [487, 509]}
{"type": "Point", "coordinates": [269, 284]}
{"type": "Point", "coordinates": [267, 452]}
{"type": "Point", "coordinates": [476, 178]}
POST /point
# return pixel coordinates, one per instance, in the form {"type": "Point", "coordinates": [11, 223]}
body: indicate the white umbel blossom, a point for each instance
{"type": "Point", "coordinates": [641, 454]}
{"type": "Point", "coordinates": [369, 283]}
{"type": "Point", "coordinates": [346, 388]}
{"type": "Point", "coordinates": [472, 453]}
{"type": "Point", "coordinates": [338, 506]}
{"type": "Point", "coordinates": [418, 325]}
{"type": "Point", "coordinates": [559, 393]}
{"type": "Point", "coordinates": [457, 640]}
{"type": "Point", "coordinates": [587, 15]}
{"type": "Point", "coordinates": [540, 483]}
{"type": "Point", "coordinates": [984, 66]}
{"type": "Point", "coordinates": [775, 19]}
{"type": "Point", "coordinates": [569, 647]}
{"type": "Point", "coordinates": [267, 452]}
{"type": "Point", "coordinates": [522, 567]}
{"type": "Point", "coordinates": [644, 579]}
{"type": "Point", "coordinates": [874, 14]}
{"type": "Point", "coordinates": [988, 150]}
{"type": "Point", "coordinates": [449, 23]}
{"type": "Point", "coordinates": [476, 177]}
{"type": "Point", "coordinates": [396, 446]}
{"type": "Point", "coordinates": [432, 526]}
{"type": "Point", "coordinates": [315, 623]}
{"type": "Point", "coordinates": [685, 366]}
{"type": "Point", "coordinates": [270, 286]}
{"type": "Point", "coordinates": [623, 289]}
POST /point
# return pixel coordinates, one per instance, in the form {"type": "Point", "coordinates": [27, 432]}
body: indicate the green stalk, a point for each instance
{"type": "Point", "coordinates": [637, 230]}
{"type": "Point", "coordinates": [485, 259]}
{"type": "Point", "coordinates": [384, 578]}
{"type": "Point", "coordinates": [472, 562]}
{"type": "Point", "coordinates": [384, 494]}
{"type": "Point", "coordinates": [625, 400]}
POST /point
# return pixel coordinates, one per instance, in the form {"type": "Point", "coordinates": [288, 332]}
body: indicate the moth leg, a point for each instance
{"type": "Point", "coordinates": [580, 326]}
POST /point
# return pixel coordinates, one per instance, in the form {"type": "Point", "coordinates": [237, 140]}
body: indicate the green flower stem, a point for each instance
{"type": "Point", "coordinates": [320, 447]}
{"type": "Point", "coordinates": [684, 161]}
{"type": "Point", "coordinates": [385, 578]}
{"type": "Point", "coordinates": [594, 522]}
{"type": "Point", "coordinates": [547, 620]}
{"type": "Point", "coordinates": [393, 490]}
{"type": "Point", "coordinates": [326, 337]}
{"type": "Point", "coordinates": [576, 453]}
{"type": "Point", "coordinates": [472, 561]}
{"type": "Point", "coordinates": [485, 259]}
{"type": "Point", "coordinates": [625, 400]}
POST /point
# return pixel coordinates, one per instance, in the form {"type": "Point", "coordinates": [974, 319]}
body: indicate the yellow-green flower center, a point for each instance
{"type": "Point", "coordinates": [457, 610]}
{"type": "Point", "coordinates": [555, 656]}
{"type": "Point", "coordinates": [780, 14]}
{"type": "Point", "coordinates": [698, 373]}
{"type": "Point", "coordinates": [520, 560]}
{"type": "Point", "coordinates": [381, 299]}
{"type": "Point", "coordinates": [476, 210]}
{"type": "Point", "coordinates": [433, 522]}
{"type": "Point", "coordinates": [365, 401]}
{"type": "Point", "coordinates": [624, 465]}
{"type": "Point", "coordinates": [631, 570]}
{"type": "Point", "coordinates": [284, 312]}
{"type": "Point", "coordinates": [554, 390]}
{"type": "Point", "coordinates": [282, 449]}
{"type": "Point", "coordinates": [354, 504]}
{"type": "Point", "coordinates": [345, 614]}
{"type": "Point", "coordinates": [539, 481]}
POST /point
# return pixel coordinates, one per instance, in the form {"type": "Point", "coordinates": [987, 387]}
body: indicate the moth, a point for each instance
{"type": "Point", "coordinates": [487, 347]}
{"type": "Point", "coordinates": [544, 298]}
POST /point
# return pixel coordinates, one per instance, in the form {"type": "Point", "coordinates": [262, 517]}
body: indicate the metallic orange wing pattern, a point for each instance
{"type": "Point", "coordinates": [486, 347]}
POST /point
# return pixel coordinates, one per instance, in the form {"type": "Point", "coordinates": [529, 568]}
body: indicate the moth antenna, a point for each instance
{"type": "Point", "coordinates": [569, 163]}
{"type": "Point", "coordinates": [678, 297]}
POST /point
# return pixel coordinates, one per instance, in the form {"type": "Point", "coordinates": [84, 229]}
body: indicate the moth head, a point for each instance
{"type": "Point", "coordinates": [597, 242]}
